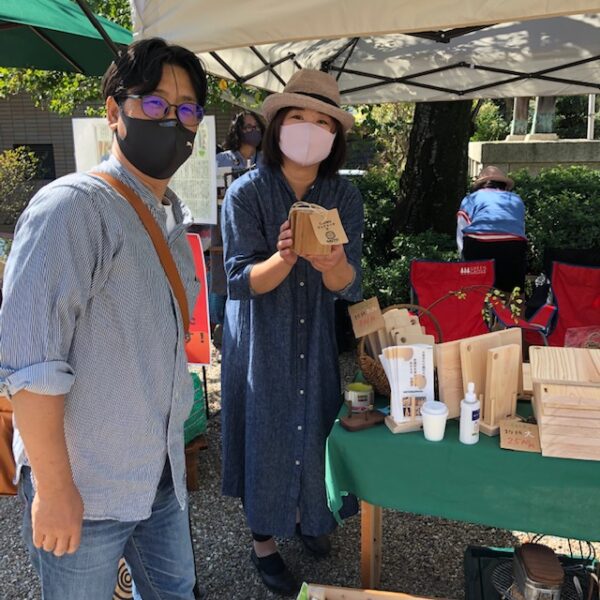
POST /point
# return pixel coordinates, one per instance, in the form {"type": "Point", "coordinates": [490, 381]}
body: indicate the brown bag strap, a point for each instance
{"type": "Point", "coordinates": [160, 244]}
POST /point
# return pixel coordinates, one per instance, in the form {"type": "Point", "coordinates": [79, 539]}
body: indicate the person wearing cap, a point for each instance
{"type": "Point", "coordinates": [280, 375]}
{"type": "Point", "coordinates": [491, 224]}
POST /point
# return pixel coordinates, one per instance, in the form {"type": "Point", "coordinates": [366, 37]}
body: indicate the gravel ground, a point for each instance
{"type": "Point", "coordinates": [421, 555]}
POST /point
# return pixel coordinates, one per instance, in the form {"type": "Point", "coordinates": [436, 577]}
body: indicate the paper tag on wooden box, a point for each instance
{"type": "Point", "coordinates": [328, 228]}
{"type": "Point", "coordinates": [366, 317]}
{"type": "Point", "coordinates": [516, 434]}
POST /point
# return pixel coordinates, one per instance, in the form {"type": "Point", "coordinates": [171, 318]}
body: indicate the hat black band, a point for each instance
{"type": "Point", "coordinates": [319, 97]}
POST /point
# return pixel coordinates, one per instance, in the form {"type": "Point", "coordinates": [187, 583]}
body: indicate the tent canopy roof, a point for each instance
{"type": "Point", "coordinates": [391, 50]}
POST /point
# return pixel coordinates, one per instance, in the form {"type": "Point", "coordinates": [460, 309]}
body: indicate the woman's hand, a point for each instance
{"type": "Point", "coordinates": [284, 244]}
{"type": "Point", "coordinates": [327, 262]}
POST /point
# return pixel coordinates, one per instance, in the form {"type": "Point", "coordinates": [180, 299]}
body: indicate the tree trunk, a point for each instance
{"type": "Point", "coordinates": [435, 177]}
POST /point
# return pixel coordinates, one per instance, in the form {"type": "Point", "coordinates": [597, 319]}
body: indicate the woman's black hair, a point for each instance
{"type": "Point", "coordinates": [139, 69]}
{"type": "Point", "coordinates": [273, 157]}
{"type": "Point", "coordinates": [233, 141]}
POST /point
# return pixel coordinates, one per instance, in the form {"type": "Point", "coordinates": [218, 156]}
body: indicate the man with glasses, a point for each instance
{"type": "Point", "coordinates": [92, 348]}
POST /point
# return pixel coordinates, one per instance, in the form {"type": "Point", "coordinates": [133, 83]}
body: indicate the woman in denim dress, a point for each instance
{"type": "Point", "coordinates": [280, 372]}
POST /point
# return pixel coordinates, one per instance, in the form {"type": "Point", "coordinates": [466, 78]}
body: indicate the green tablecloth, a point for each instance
{"type": "Point", "coordinates": [479, 484]}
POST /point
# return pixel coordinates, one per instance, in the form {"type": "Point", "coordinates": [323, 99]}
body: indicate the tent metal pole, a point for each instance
{"type": "Point", "coordinates": [265, 62]}
{"type": "Point", "coordinates": [591, 116]}
{"type": "Point", "coordinates": [98, 26]}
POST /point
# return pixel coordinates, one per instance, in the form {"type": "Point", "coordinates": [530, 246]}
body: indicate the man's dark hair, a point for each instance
{"type": "Point", "coordinates": [273, 157]}
{"type": "Point", "coordinates": [233, 141]}
{"type": "Point", "coordinates": [139, 69]}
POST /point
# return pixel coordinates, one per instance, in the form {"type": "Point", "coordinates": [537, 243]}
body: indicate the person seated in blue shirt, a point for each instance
{"type": "Point", "coordinates": [491, 224]}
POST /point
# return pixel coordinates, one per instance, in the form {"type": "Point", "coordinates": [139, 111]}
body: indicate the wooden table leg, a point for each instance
{"type": "Point", "coordinates": [370, 545]}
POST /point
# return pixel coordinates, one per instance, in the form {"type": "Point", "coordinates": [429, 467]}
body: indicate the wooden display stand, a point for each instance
{"type": "Point", "coordinates": [412, 423]}
{"type": "Point", "coordinates": [566, 401]}
{"type": "Point", "coordinates": [501, 387]}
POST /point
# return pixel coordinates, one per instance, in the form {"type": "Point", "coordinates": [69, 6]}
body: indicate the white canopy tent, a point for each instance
{"type": "Point", "coordinates": [391, 50]}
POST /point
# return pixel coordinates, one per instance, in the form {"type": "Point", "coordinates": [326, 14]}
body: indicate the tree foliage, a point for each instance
{"type": "Point", "coordinates": [388, 126]}
{"type": "Point", "coordinates": [18, 169]}
{"type": "Point", "coordinates": [490, 124]}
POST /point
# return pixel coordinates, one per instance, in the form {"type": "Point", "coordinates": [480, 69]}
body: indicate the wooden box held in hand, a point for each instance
{"type": "Point", "coordinates": [303, 233]}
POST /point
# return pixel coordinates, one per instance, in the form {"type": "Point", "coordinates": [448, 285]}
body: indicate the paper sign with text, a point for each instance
{"type": "Point", "coordinates": [518, 435]}
{"type": "Point", "coordinates": [328, 228]}
{"type": "Point", "coordinates": [366, 317]}
{"type": "Point", "coordinates": [198, 348]}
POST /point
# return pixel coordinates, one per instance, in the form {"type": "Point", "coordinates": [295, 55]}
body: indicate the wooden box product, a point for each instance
{"type": "Point", "coordinates": [303, 233]}
{"type": "Point", "coordinates": [327, 592]}
{"type": "Point", "coordinates": [566, 400]}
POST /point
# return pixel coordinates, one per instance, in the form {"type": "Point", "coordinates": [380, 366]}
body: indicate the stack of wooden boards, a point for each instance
{"type": "Point", "coordinates": [400, 328]}
{"type": "Point", "coordinates": [493, 362]}
{"type": "Point", "coordinates": [566, 400]}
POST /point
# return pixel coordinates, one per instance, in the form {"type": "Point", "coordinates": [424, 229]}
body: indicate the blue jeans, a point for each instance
{"type": "Point", "coordinates": [158, 552]}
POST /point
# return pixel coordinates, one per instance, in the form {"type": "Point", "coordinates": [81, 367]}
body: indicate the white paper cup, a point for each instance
{"type": "Point", "coordinates": [434, 420]}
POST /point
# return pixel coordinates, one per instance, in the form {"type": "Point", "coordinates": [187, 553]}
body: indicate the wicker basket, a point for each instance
{"type": "Point", "coordinates": [371, 367]}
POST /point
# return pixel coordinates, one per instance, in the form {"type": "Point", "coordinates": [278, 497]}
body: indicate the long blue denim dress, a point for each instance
{"type": "Point", "coordinates": [280, 383]}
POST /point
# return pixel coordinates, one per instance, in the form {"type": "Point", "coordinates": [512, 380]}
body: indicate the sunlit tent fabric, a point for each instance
{"type": "Point", "coordinates": [391, 50]}
{"type": "Point", "coordinates": [55, 35]}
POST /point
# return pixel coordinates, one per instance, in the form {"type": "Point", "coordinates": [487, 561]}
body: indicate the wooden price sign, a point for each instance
{"type": "Point", "coordinates": [516, 434]}
{"type": "Point", "coordinates": [366, 317]}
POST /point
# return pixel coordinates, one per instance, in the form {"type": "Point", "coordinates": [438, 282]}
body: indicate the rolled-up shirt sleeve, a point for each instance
{"type": "Point", "coordinates": [244, 243]}
{"type": "Point", "coordinates": [49, 278]}
{"type": "Point", "coordinates": [353, 218]}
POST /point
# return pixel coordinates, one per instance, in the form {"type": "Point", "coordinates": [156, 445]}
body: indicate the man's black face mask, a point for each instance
{"type": "Point", "coordinates": [156, 148]}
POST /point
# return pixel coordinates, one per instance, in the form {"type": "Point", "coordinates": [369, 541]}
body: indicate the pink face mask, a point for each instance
{"type": "Point", "coordinates": [305, 143]}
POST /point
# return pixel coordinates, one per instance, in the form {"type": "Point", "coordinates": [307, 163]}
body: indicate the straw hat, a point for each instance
{"type": "Point", "coordinates": [492, 173]}
{"type": "Point", "coordinates": [312, 89]}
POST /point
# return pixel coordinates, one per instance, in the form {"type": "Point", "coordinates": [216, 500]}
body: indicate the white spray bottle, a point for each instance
{"type": "Point", "coordinates": [470, 409]}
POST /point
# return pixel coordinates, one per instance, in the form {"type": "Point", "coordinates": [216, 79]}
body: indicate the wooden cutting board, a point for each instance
{"type": "Point", "coordinates": [449, 370]}
{"type": "Point", "coordinates": [474, 353]}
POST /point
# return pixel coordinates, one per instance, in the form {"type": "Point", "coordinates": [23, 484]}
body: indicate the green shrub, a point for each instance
{"type": "Point", "coordinates": [490, 125]}
{"type": "Point", "coordinates": [390, 281]}
{"type": "Point", "coordinates": [18, 169]}
{"type": "Point", "coordinates": [563, 210]}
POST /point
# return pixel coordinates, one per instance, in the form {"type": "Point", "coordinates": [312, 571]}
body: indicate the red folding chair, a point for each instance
{"type": "Point", "coordinates": [540, 322]}
{"type": "Point", "coordinates": [576, 293]}
{"type": "Point", "coordinates": [455, 293]}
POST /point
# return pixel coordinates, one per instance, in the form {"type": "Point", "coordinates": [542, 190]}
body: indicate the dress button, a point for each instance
{"type": "Point", "coordinates": [301, 392]}
{"type": "Point", "coordinates": [299, 427]}
{"type": "Point", "coordinates": [297, 463]}
{"type": "Point", "coordinates": [302, 284]}
{"type": "Point", "coordinates": [302, 321]}
{"type": "Point", "coordinates": [302, 356]}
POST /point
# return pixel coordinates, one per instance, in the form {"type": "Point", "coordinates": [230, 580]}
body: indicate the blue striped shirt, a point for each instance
{"type": "Point", "coordinates": [88, 312]}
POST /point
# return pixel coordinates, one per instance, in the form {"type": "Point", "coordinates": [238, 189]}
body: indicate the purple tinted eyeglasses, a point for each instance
{"type": "Point", "coordinates": [189, 114]}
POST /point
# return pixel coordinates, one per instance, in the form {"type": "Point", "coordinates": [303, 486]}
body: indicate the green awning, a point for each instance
{"type": "Point", "coordinates": [55, 35]}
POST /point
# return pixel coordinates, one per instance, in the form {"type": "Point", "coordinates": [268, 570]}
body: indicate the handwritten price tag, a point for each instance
{"type": "Point", "coordinates": [366, 317]}
{"type": "Point", "coordinates": [518, 435]}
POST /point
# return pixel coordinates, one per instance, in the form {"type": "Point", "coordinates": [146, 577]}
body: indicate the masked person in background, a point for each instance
{"type": "Point", "coordinates": [243, 143]}
{"type": "Point", "coordinates": [279, 324]}
{"type": "Point", "coordinates": [242, 151]}
{"type": "Point", "coordinates": [92, 348]}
